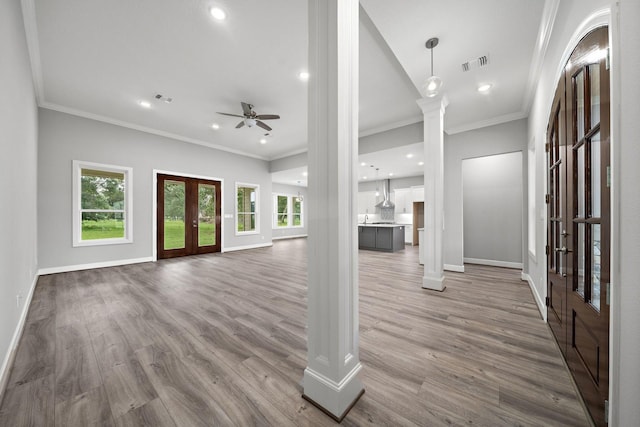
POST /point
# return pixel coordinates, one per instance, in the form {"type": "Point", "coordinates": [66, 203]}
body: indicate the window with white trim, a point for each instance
{"type": "Point", "coordinates": [247, 207]}
{"type": "Point", "coordinates": [102, 201]}
{"type": "Point", "coordinates": [287, 211]}
{"type": "Point", "coordinates": [531, 191]}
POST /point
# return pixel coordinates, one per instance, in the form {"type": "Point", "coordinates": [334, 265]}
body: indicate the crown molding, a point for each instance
{"type": "Point", "coordinates": [485, 123]}
{"type": "Point", "coordinates": [549, 14]}
{"type": "Point", "coordinates": [153, 131]}
{"type": "Point", "coordinates": [390, 126]}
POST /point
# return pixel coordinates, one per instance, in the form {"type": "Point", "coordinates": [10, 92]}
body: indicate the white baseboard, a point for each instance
{"type": "Point", "coordinates": [242, 248]}
{"type": "Point", "coordinates": [7, 363]}
{"type": "Point", "coordinates": [78, 267]}
{"type": "Point", "coordinates": [456, 268]}
{"type": "Point", "coordinates": [297, 236]}
{"type": "Point", "coordinates": [536, 296]}
{"type": "Point", "coordinates": [493, 263]}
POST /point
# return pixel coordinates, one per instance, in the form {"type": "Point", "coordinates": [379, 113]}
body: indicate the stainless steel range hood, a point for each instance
{"type": "Point", "coordinates": [386, 202]}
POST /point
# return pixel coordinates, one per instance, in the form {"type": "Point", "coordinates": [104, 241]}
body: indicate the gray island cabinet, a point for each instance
{"type": "Point", "coordinates": [381, 237]}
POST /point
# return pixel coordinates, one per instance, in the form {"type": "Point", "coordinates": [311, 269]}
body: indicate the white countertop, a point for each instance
{"type": "Point", "coordinates": [380, 225]}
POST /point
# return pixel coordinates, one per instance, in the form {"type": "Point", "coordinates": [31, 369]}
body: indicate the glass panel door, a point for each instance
{"type": "Point", "coordinates": [174, 215]}
{"type": "Point", "coordinates": [189, 216]}
{"type": "Point", "coordinates": [206, 214]}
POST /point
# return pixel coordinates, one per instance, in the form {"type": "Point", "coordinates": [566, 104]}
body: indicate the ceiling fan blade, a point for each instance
{"type": "Point", "coordinates": [239, 125]}
{"type": "Point", "coordinates": [229, 114]}
{"type": "Point", "coordinates": [263, 125]}
{"type": "Point", "coordinates": [267, 116]}
{"type": "Point", "coordinates": [246, 108]}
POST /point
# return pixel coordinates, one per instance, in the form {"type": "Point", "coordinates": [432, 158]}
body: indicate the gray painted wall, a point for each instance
{"type": "Point", "coordinates": [393, 184]}
{"type": "Point", "coordinates": [404, 135]}
{"type": "Point", "coordinates": [290, 190]}
{"type": "Point", "coordinates": [18, 163]}
{"type": "Point", "coordinates": [289, 162]}
{"type": "Point", "coordinates": [499, 139]}
{"type": "Point", "coordinates": [492, 207]}
{"type": "Point", "coordinates": [64, 138]}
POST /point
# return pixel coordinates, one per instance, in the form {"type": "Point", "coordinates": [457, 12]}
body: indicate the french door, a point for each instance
{"type": "Point", "coordinates": [188, 216]}
{"type": "Point", "coordinates": [578, 240]}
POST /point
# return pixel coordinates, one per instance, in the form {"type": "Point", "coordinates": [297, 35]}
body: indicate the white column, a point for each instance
{"type": "Point", "coordinates": [331, 379]}
{"type": "Point", "coordinates": [433, 110]}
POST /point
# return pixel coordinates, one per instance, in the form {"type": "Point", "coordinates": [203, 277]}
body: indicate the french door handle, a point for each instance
{"type": "Point", "coordinates": [563, 250]}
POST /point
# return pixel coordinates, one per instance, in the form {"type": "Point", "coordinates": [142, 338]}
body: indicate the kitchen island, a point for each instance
{"type": "Point", "coordinates": [381, 237]}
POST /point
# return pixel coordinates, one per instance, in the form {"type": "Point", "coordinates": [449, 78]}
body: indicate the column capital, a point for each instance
{"type": "Point", "coordinates": [430, 105]}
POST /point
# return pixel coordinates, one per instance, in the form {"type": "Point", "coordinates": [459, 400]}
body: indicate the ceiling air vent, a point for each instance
{"type": "Point", "coordinates": [481, 61]}
{"type": "Point", "coordinates": [166, 99]}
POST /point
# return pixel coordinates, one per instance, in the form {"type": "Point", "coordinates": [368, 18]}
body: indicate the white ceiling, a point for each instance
{"type": "Point", "coordinates": [98, 59]}
{"type": "Point", "coordinates": [400, 162]}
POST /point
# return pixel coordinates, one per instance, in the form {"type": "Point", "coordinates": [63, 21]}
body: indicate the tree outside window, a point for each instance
{"type": "Point", "coordinates": [246, 208]}
{"type": "Point", "coordinates": [287, 211]}
{"type": "Point", "coordinates": [101, 203]}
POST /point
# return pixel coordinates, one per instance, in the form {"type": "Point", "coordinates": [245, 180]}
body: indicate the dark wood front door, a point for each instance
{"type": "Point", "coordinates": [188, 216]}
{"type": "Point", "coordinates": [579, 219]}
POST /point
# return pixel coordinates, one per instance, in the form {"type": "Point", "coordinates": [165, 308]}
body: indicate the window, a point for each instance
{"type": "Point", "coordinates": [247, 208]}
{"type": "Point", "coordinates": [282, 213]}
{"type": "Point", "coordinates": [102, 200]}
{"type": "Point", "coordinates": [531, 181]}
{"type": "Point", "coordinates": [287, 211]}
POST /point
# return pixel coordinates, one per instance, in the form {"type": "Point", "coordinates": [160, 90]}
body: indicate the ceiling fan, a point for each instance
{"type": "Point", "coordinates": [250, 118]}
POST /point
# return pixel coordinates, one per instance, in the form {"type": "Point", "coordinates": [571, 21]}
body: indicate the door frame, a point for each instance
{"type": "Point", "coordinates": [154, 206]}
{"type": "Point", "coordinates": [594, 20]}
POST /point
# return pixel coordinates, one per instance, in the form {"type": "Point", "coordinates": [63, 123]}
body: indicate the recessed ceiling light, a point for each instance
{"type": "Point", "coordinates": [303, 75]}
{"type": "Point", "coordinates": [363, 164]}
{"type": "Point", "coordinates": [218, 13]}
{"type": "Point", "coordinates": [390, 173]}
{"type": "Point", "coordinates": [263, 140]}
{"type": "Point", "coordinates": [364, 177]}
{"type": "Point", "coordinates": [420, 163]}
{"type": "Point", "coordinates": [409, 156]}
{"type": "Point", "coordinates": [484, 88]}
{"type": "Point", "coordinates": [215, 126]}
{"type": "Point", "coordinates": [304, 174]}
{"type": "Point", "coordinates": [145, 104]}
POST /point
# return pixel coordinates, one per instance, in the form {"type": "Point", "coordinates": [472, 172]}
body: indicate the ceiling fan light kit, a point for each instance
{"type": "Point", "coordinates": [434, 83]}
{"type": "Point", "coordinates": [250, 118]}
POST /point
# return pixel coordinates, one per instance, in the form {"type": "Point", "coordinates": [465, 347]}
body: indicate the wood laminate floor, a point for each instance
{"type": "Point", "coordinates": [220, 340]}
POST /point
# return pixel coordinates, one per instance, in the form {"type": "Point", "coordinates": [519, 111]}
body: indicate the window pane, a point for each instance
{"type": "Point", "coordinates": [297, 221]}
{"type": "Point", "coordinates": [206, 215]}
{"type": "Point", "coordinates": [283, 210]}
{"type": "Point", "coordinates": [579, 105]}
{"type": "Point", "coordinates": [246, 199]}
{"type": "Point", "coordinates": [594, 78]}
{"type": "Point", "coordinates": [297, 206]}
{"type": "Point", "coordinates": [102, 190]}
{"type": "Point", "coordinates": [581, 259]}
{"type": "Point", "coordinates": [596, 189]}
{"type": "Point", "coordinates": [102, 225]}
{"type": "Point", "coordinates": [596, 264]}
{"type": "Point", "coordinates": [246, 222]}
{"type": "Point", "coordinates": [174, 207]}
{"type": "Point", "coordinates": [580, 184]}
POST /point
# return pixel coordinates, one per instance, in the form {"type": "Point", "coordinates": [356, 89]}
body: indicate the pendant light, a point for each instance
{"type": "Point", "coordinates": [433, 83]}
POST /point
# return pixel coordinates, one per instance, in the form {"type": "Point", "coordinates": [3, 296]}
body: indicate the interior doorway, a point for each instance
{"type": "Point", "coordinates": [578, 223]}
{"type": "Point", "coordinates": [188, 216]}
{"type": "Point", "coordinates": [492, 203]}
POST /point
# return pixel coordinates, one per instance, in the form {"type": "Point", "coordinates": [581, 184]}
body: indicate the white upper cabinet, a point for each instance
{"type": "Point", "coordinates": [367, 201]}
{"type": "Point", "coordinates": [418, 193]}
{"type": "Point", "coordinates": [403, 200]}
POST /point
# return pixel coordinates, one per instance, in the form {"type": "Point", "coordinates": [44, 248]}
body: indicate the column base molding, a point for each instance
{"type": "Point", "coordinates": [433, 283]}
{"type": "Point", "coordinates": [334, 399]}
